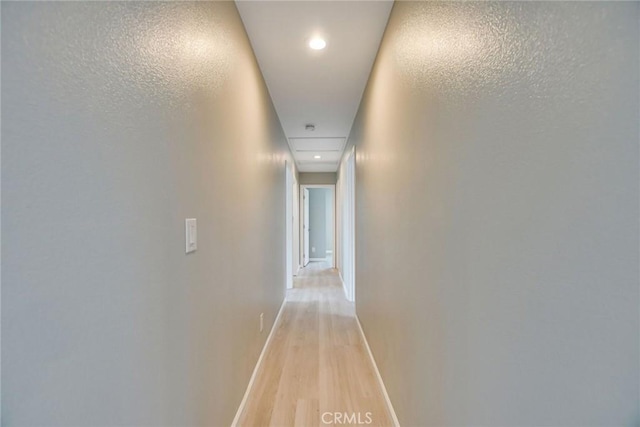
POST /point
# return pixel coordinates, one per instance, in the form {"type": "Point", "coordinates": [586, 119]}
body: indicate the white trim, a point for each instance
{"type": "Point", "coordinates": [257, 367]}
{"type": "Point", "coordinates": [317, 259]}
{"type": "Point", "coordinates": [346, 222]}
{"type": "Point", "coordinates": [375, 368]}
{"type": "Point", "coordinates": [296, 224]}
{"type": "Point", "coordinates": [317, 185]}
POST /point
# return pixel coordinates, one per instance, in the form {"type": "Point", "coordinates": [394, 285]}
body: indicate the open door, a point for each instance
{"type": "Point", "coordinates": [305, 225]}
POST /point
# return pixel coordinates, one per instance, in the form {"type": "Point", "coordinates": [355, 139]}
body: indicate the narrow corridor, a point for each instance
{"type": "Point", "coordinates": [169, 167]}
{"type": "Point", "coordinates": [316, 370]}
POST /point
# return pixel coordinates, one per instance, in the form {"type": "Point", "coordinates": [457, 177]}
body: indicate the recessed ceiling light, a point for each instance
{"type": "Point", "coordinates": [317, 157]}
{"type": "Point", "coordinates": [317, 43]}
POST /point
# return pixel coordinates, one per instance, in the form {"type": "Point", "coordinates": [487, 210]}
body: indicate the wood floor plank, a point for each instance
{"type": "Point", "coordinates": [316, 371]}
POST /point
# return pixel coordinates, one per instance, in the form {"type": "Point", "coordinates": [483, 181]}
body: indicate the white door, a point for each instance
{"type": "Point", "coordinates": [305, 225]}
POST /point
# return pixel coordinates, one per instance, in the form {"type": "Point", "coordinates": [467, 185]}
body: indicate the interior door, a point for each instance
{"type": "Point", "coordinates": [305, 224]}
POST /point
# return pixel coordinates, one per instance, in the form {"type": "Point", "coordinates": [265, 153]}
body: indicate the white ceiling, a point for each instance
{"type": "Point", "coordinates": [323, 87]}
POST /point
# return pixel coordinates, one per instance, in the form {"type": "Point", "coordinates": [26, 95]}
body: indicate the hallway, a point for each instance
{"type": "Point", "coordinates": [479, 164]}
{"type": "Point", "coordinates": [316, 366]}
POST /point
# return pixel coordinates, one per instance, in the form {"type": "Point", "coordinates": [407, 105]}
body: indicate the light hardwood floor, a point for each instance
{"type": "Point", "coordinates": [316, 362]}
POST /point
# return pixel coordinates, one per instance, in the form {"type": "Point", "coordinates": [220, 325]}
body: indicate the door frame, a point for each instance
{"type": "Point", "coordinates": [305, 227]}
{"type": "Point", "coordinates": [346, 213]}
{"type": "Point", "coordinates": [349, 236]}
{"type": "Point", "coordinates": [296, 226]}
{"type": "Point", "coordinates": [302, 245]}
{"type": "Point", "coordinates": [289, 196]}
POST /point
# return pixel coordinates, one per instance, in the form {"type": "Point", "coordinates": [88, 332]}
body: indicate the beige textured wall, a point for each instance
{"type": "Point", "coordinates": [120, 120]}
{"type": "Point", "coordinates": [317, 178]}
{"type": "Point", "coordinates": [497, 213]}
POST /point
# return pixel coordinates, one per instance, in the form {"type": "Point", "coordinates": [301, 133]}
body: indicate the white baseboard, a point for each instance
{"type": "Point", "coordinates": [317, 259]}
{"type": "Point", "coordinates": [257, 367]}
{"type": "Point", "coordinates": [375, 367]}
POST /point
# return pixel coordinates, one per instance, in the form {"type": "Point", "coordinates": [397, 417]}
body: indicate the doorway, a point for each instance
{"type": "Point", "coordinates": [346, 258]}
{"type": "Point", "coordinates": [296, 225]}
{"type": "Point", "coordinates": [305, 227]}
{"type": "Point", "coordinates": [318, 224]}
{"type": "Point", "coordinates": [289, 225]}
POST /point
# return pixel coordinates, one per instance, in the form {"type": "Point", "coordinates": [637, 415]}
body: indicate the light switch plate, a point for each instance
{"type": "Point", "coordinates": [191, 234]}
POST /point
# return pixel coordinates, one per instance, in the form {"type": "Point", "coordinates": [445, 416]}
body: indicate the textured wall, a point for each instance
{"type": "Point", "coordinates": [497, 213]}
{"type": "Point", "coordinates": [119, 120]}
{"type": "Point", "coordinates": [317, 178]}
